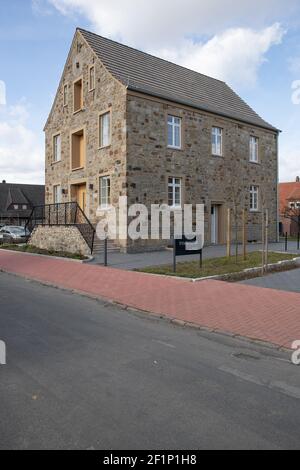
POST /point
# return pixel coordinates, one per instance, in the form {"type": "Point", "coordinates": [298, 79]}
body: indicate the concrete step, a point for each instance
{"type": "Point", "coordinates": [112, 247]}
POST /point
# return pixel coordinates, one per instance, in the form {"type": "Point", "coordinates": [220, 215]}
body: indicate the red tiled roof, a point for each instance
{"type": "Point", "coordinates": [288, 192]}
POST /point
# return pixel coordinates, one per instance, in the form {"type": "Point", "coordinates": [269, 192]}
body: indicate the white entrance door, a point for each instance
{"type": "Point", "coordinates": [214, 224]}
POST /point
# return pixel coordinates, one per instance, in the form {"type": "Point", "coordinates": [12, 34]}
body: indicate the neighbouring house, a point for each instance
{"type": "Point", "coordinates": [17, 201]}
{"type": "Point", "coordinates": [126, 123]}
{"type": "Point", "coordinates": [289, 197]}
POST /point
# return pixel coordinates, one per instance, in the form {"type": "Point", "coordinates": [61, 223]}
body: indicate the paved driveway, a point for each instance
{"type": "Point", "coordinates": [287, 281]}
{"type": "Point", "coordinates": [141, 260]}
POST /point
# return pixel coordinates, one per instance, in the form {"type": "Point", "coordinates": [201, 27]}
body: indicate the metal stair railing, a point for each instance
{"type": "Point", "coordinates": [63, 214]}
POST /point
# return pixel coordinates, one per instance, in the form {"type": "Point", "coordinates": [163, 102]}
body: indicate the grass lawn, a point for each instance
{"type": "Point", "coordinates": [216, 266]}
{"type": "Point", "coordinates": [40, 251]}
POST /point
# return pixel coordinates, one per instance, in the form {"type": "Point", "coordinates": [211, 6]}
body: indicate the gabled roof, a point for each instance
{"type": "Point", "coordinates": [295, 194]}
{"type": "Point", "coordinates": [16, 196]}
{"type": "Point", "coordinates": [288, 192]}
{"type": "Point", "coordinates": [19, 194]}
{"type": "Point", "coordinates": [148, 74]}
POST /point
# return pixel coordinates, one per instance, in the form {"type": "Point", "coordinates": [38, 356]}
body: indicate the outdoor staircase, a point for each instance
{"type": "Point", "coordinates": [98, 249]}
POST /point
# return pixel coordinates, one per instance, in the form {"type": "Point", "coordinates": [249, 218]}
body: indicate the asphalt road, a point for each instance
{"type": "Point", "coordinates": [82, 374]}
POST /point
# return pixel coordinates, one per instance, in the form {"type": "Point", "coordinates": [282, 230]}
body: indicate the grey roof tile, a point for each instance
{"type": "Point", "coordinates": [10, 194]}
{"type": "Point", "coordinates": [157, 77]}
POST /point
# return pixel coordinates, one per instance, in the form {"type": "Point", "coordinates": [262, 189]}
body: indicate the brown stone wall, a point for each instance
{"type": "Point", "coordinates": [205, 178]}
{"type": "Point", "coordinates": [138, 160]}
{"type": "Point", "coordinates": [108, 94]}
{"type": "Point", "coordinates": [59, 238]}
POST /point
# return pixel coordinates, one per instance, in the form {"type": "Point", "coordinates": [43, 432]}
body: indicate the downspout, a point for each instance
{"type": "Point", "coordinates": [277, 188]}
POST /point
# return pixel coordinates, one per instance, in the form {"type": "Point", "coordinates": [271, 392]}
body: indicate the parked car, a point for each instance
{"type": "Point", "coordinates": [12, 233]}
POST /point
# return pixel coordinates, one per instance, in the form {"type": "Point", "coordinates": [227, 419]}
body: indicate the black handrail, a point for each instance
{"type": "Point", "coordinates": [63, 214]}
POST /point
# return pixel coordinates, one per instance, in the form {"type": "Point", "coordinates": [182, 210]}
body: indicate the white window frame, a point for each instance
{"type": "Point", "coordinates": [102, 142]}
{"type": "Point", "coordinates": [105, 192]}
{"type": "Point", "coordinates": [254, 198]}
{"type": "Point", "coordinates": [253, 149]}
{"type": "Point", "coordinates": [173, 184]}
{"type": "Point", "coordinates": [56, 148]}
{"type": "Point", "coordinates": [174, 122]}
{"type": "Point", "coordinates": [216, 146]}
{"type": "Point", "coordinates": [57, 194]}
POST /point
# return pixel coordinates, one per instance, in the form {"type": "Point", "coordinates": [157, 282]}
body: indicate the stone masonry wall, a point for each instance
{"type": "Point", "coordinates": [205, 178]}
{"type": "Point", "coordinates": [138, 160]}
{"type": "Point", "coordinates": [59, 238]}
{"type": "Point", "coordinates": [109, 94]}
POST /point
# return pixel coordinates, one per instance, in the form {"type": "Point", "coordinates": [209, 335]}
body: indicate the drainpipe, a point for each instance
{"type": "Point", "coordinates": [277, 189]}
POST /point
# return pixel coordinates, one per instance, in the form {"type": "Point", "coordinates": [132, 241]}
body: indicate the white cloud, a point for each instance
{"type": "Point", "coordinates": [152, 24]}
{"type": "Point", "coordinates": [167, 29]}
{"type": "Point", "coordinates": [228, 56]}
{"type": "Point", "coordinates": [21, 153]}
{"type": "Point", "coordinates": [2, 93]}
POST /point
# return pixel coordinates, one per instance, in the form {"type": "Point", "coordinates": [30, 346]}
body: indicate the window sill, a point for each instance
{"type": "Point", "coordinates": [174, 148]}
{"type": "Point", "coordinates": [78, 111]}
{"type": "Point", "coordinates": [92, 89]}
{"type": "Point", "coordinates": [254, 211]}
{"type": "Point", "coordinates": [104, 147]}
{"type": "Point", "coordinates": [214, 155]}
{"type": "Point", "coordinates": [254, 163]}
{"type": "Point", "coordinates": [175, 208]}
{"type": "Point", "coordinates": [55, 163]}
{"type": "Point", "coordinates": [79, 168]}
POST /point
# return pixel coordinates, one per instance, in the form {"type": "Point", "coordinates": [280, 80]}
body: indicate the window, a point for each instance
{"type": "Point", "coordinates": [65, 95]}
{"type": "Point", "coordinates": [174, 132]}
{"type": "Point", "coordinates": [104, 130]}
{"type": "Point", "coordinates": [253, 149]}
{"type": "Point", "coordinates": [24, 207]}
{"type": "Point", "coordinates": [57, 148]}
{"type": "Point", "coordinates": [78, 98]}
{"type": "Point", "coordinates": [57, 194]}
{"type": "Point", "coordinates": [253, 198]}
{"type": "Point", "coordinates": [174, 192]}
{"type": "Point", "coordinates": [216, 141]}
{"type": "Point", "coordinates": [104, 191]}
{"type": "Point", "coordinates": [16, 207]}
{"type": "Point", "coordinates": [92, 78]}
{"type": "Point", "coordinates": [78, 150]}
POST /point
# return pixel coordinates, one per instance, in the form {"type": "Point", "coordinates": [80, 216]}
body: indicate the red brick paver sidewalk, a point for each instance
{"type": "Point", "coordinates": [255, 312]}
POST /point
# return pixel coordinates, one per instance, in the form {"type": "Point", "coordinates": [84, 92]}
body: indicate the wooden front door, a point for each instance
{"type": "Point", "coordinates": [214, 224]}
{"type": "Point", "coordinates": [81, 196]}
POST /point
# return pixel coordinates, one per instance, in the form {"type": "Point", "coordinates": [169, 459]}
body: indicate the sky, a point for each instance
{"type": "Point", "coordinates": [253, 45]}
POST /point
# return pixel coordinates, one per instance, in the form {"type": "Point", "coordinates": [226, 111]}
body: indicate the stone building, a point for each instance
{"type": "Point", "coordinates": [125, 123]}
